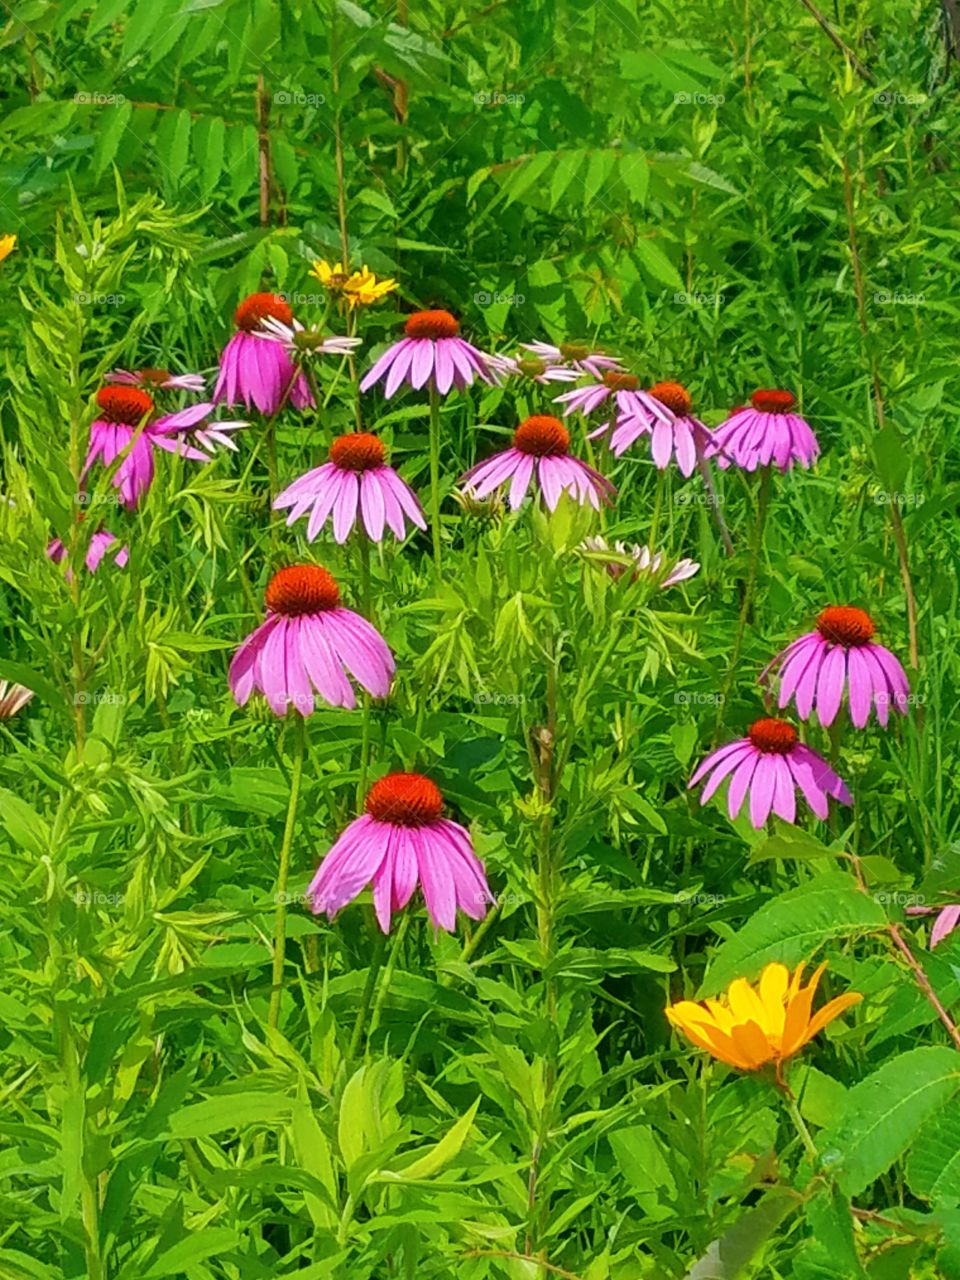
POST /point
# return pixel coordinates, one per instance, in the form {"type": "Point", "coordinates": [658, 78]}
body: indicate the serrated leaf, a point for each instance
{"type": "Point", "coordinates": [793, 926]}
{"type": "Point", "coordinates": [885, 1113]}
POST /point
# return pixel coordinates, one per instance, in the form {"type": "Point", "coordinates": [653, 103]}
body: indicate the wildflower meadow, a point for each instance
{"type": "Point", "coordinates": [479, 640]}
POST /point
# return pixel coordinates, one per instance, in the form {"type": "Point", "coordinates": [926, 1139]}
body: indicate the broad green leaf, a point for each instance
{"type": "Point", "coordinates": [729, 1256]}
{"type": "Point", "coordinates": [24, 825]}
{"type": "Point", "coordinates": [885, 1112]}
{"type": "Point", "coordinates": [434, 1159]}
{"type": "Point", "coordinates": [794, 925]}
{"type": "Point", "coordinates": [933, 1170]}
{"type": "Point", "coordinates": [230, 1111]}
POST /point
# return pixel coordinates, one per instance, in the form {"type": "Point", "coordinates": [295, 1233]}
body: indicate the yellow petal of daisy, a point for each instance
{"type": "Point", "coordinates": [7, 245]}
{"type": "Point", "coordinates": [774, 982]}
{"type": "Point", "coordinates": [751, 1043]}
{"type": "Point", "coordinates": [745, 1004]}
{"type": "Point", "coordinates": [832, 1009]}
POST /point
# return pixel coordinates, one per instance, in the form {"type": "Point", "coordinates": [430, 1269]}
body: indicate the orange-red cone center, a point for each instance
{"type": "Point", "coordinates": [676, 397]}
{"type": "Point", "coordinates": [406, 799]}
{"type": "Point", "coordinates": [847, 626]}
{"type": "Point", "coordinates": [126, 406]}
{"type": "Point", "coordinates": [431, 324]}
{"type": "Point", "coordinates": [357, 452]}
{"type": "Point", "coordinates": [252, 311]}
{"type": "Point", "coordinates": [773, 401]}
{"type": "Point", "coordinates": [542, 437]}
{"type": "Point", "coordinates": [302, 588]}
{"type": "Point", "coordinates": [773, 737]}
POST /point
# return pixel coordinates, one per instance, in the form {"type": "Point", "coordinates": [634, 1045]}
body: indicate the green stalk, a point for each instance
{"type": "Point", "coordinates": [280, 913]}
{"type": "Point", "coordinates": [763, 506]}
{"type": "Point", "coordinates": [376, 960]}
{"type": "Point", "coordinates": [435, 477]}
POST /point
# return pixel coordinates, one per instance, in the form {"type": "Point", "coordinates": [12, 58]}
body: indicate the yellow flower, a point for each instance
{"type": "Point", "coordinates": [358, 288]}
{"type": "Point", "coordinates": [363, 287]}
{"type": "Point", "coordinates": [747, 1028]}
{"type": "Point", "coordinates": [7, 246]}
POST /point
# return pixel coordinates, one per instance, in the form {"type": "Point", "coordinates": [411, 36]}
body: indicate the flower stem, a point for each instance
{"type": "Point", "coordinates": [435, 477]}
{"type": "Point", "coordinates": [799, 1122]}
{"type": "Point", "coordinates": [714, 498]}
{"type": "Point", "coordinates": [657, 504]}
{"type": "Point", "coordinates": [746, 604]}
{"type": "Point", "coordinates": [376, 960]}
{"type": "Point", "coordinates": [280, 912]}
{"type": "Point", "coordinates": [384, 986]}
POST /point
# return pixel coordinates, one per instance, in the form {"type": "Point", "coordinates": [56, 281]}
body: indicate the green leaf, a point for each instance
{"type": "Point", "coordinates": [885, 1113]}
{"type": "Point", "coordinates": [891, 459]}
{"type": "Point", "coordinates": [933, 1170]}
{"type": "Point", "coordinates": [23, 824]}
{"type": "Point", "coordinates": [655, 262]}
{"type": "Point", "coordinates": [114, 120]}
{"type": "Point", "coordinates": [230, 1111]}
{"type": "Point", "coordinates": [793, 926]}
{"type": "Point", "coordinates": [199, 1244]}
{"type": "Point", "coordinates": [434, 1159]}
{"type": "Point", "coordinates": [729, 1256]}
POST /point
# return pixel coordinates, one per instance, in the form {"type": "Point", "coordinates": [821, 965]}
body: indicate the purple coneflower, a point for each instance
{"type": "Point", "coordinates": [298, 340]}
{"type": "Point", "coordinates": [622, 558]}
{"type": "Point", "coordinates": [100, 543]}
{"type": "Point", "coordinates": [13, 698]}
{"type": "Point", "coordinates": [401, 841]}
{"type": "Point", "coordinates": [191, 424]}
{"type": "Point", "coordinates": [678, 434]}
{"type": "Point", "coordinates": [635, 412]}
{"type": "Point", "coordinates": [124, 421]}
{"type": "Point", "coordinates": [540, 448]}
{"type": "Point", "coordinates": [947, 920]}
{"type": "Point", "coordinates": [256, 372]}
{"type": "Point", "coordinates": [840, 656]}
{"type": "Point", "coordinates": [309, 641]}
{"type": "Point", "coordinates": [355, 481]}
{"type": "Point", "coordinates": [157, 378]}
{"type": "Point", "coordinates": [430, 349]}
{"type": "Point", "coordinates": [764, 432]}
{"type": "Point", "coordinates": [771, 763]}
{"type": "Point", "coordinates": [532, 369]}
{"type": "Point", "coordinates": [576, 355]}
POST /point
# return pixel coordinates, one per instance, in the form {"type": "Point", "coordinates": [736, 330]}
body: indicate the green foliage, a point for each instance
{"type": "Point", "coordinates": [719, 196]}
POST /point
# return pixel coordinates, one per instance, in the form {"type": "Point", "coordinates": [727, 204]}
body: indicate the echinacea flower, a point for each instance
{"type": "Point", "coordinates": [124, 423]}
{"type": "Point", "coordinates": [541, 448]}
{"type": "Point", "coordinates": [678, 434]}
{"type": "Point", "coordinates": [13, 697]}
{"type": "Point", "coordinates": [770, 764]}
{"type": "Point", "coordinates": [355, 481]}
{"type": "Point", "coordinates": [7, 245]}
{"type": "Point", "coordinates": [621, 558]}
{"type": "Point", "coordinates": [191, 425]}
{"type": "Point", "coordinates": [100, 543]}
{"type": "Point", "coordinates": [256, 372]}
{"type": "Point", "coordinates": [531, 369]}
{"type": "Point", "coordinates": [840, 657]}
{"type": "Point", "coordinates": [947, 920]}
{"type": "Point", "coordinates": [765, 431]}
{"type": "Point", "coordinates": [635, 411]}
{"type": "Point", "coordinates": [157, 378]}
{"type": "Point", "coordinates": [309, 641]}
{"type": "Point", "coordinates": [576, 355]}
{"type": "Point", "coordinates": [356, 288]}
{"type": "Point", "coordinates": [751, 1026]}
{"type": "Point", "coordinates": [401, 841]}
{"type": "Point", "coordinates": [433, 350]}
{"type": "Point", "coordinates": [298, 340]}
